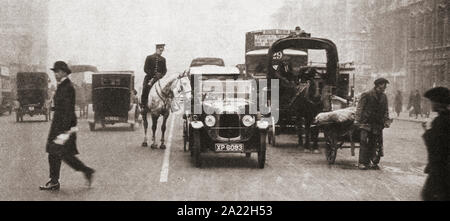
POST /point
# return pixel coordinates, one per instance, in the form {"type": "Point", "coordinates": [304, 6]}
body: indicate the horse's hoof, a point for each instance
{"type": "Point", "coordinates": [154, 146]}
{"type": "Point", "coordinates": [163, 147]}
{"type": "Point", "coordinates": [145, 144]}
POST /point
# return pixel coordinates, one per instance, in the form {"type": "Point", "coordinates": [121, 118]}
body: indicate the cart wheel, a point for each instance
{"type": "Point", "coordinates": [91, 126]}
{"type": "Point", "coordinates": [331, 149]}
{"type": "Point", "coordinates": [378, 154]}
{"type": "Point", "coordinates": [262, 151]}
{"type": "Point", "coordinates": [196, 149]}
{"type": "Point", "coordinates": [248, 155]}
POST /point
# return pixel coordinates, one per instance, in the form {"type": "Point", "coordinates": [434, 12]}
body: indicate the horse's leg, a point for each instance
{"type": "Point", "coordinates": [145, 123]}
{"type": "Point", "coordinates": [308, 122]}
{"type": "Point", "coordinates": [163, 130]}
{"type": "Point", "coordinates": [299, 123]}
{"type": "Point", "coordinates": [154, 127]}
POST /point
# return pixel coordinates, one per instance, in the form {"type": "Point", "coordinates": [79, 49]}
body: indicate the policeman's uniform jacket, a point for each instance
{"type": "Point", "coordinates": [64, 119]}
{"type": "Point", "coordinates": [155, 64]}
{"type": "Point", "coordinates": [437, 140]}
{"type": "Point", "coordinates": [373, 111]}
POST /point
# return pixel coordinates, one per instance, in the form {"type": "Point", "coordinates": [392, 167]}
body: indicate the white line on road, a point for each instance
{"type": "Point", "coordinates": [165, 166]}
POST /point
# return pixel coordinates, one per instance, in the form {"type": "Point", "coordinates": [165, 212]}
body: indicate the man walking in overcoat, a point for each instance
{"type": "Point", "coordinates": [155, 69]}
{"type": "Point", "coordinates": [61, 141]}
{"type": "Point", "coordinates": [372, 115]}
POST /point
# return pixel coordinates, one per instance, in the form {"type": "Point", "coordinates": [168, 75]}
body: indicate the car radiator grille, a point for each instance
{"type": "Point", "coordinates": [229, 120]}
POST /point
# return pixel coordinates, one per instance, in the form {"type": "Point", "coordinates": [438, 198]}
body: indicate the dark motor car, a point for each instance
{"type": "Point", "coordinates": [32, 95]}
{"type": "Point", "coordinates": [224, 124]}
{"type": "Point", "coordinates": [112, 101]}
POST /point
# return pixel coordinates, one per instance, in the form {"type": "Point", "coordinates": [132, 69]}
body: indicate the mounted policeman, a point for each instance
{"type": "Point", "coordinates": [155, 69]}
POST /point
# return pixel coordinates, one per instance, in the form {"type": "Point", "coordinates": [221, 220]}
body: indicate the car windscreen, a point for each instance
{"type": "Point", "coordinates": [207, 61]}
{"type": "Point", "coordinates": [257, 64]}
{"type": "Point", "coordinates": [230, 90]}
{"type": "Point", "coordinates": [25, 82]}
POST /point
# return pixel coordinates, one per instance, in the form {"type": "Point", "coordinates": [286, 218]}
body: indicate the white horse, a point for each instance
{"type": "Point", "coordinates": [161, 103]}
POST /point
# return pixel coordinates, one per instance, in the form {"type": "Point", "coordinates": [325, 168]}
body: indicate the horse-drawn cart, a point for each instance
{"type": "Point", "coordinates": [82, 79]}
{"type": "Point", "coordinates": [341, 132]}
{"type": "Point", "coordinates": [303, 91]}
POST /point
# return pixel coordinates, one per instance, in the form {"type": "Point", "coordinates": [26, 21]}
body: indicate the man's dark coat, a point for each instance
{"type": "Point", "coordinates": [64, 118]}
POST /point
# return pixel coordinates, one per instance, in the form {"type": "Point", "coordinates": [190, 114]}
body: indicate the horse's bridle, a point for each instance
{"type": "Point", "coordinates": [161, 94]}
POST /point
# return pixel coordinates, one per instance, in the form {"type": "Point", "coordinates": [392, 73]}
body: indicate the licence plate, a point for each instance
{"type": "Point", "coordinates": [31, 108]}
{"type": "Point", "coordinates": [221, 147]}
{"type": "Point", "coordinates": [112, 118]}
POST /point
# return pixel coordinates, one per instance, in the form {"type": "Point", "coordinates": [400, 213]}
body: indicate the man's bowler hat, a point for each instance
{"type": "Point", "coordinates": [439, 95]}
{"type": "Point", "coordinates": [160, 45]}
{"type": "Point", "coordinates": [61, 65]}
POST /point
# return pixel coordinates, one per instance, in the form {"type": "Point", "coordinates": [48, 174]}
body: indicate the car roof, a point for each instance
{"type": "Point", "coordinates": [114, 72]}
{"type": "Point", "coordinates": [41, 74]}
{"type": "Point", "coordinates": [83, 68]}
{"type": "Point", "coordinates": [214, 70]}
{"type": "Point", "coordinates": [285, 51]}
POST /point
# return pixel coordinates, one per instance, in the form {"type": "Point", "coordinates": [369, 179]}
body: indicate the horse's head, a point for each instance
{"type": "Point", "coordinates": [180, 89]}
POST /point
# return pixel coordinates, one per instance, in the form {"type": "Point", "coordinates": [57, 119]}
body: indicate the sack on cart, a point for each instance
{"type": "Point", "coordinates": [337, 116]}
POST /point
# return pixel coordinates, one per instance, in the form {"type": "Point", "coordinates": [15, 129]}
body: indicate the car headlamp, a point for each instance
{"type": "Point", "coordinates": [248, 120]}
{"type": "Point", "coordinates": [210, 121]}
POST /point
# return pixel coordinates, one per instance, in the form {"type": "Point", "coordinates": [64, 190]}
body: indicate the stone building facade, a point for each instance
{"type": "Point", "coordinates": [23, 34]}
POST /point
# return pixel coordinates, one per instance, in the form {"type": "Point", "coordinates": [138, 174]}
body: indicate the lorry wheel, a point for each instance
{"type": "Point", "coordinates": [262, 150]}
{"type": "Point", "coordinates": [196, 149]}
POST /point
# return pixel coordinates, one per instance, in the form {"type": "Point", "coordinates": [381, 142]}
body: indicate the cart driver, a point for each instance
{"type": "Point", "coordinates": [155, 69]}
{"type": "Point", "coordinates": [372, 116]}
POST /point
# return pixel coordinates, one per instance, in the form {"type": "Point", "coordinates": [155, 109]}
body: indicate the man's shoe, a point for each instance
{"type": "Point", "coordinates": [316, 151]}
{"type": "Point", "coordinates": [50, 186]}
{"type": "Point", "coordinates": [363, 167]}
{"type": "Point", "coordinates": [307, 150]}
{"type": "Point", "coordinates": [89, 177]}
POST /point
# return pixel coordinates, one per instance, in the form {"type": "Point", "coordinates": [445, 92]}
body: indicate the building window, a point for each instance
{"type": "Point", "coordinates": [440, 27]}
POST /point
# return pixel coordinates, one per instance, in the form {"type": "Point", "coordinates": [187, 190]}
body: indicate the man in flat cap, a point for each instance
{"type": "Point", "coordinates": [437, 140]}
{"type": "Point", "coordinates": [155, 69]}
{"type": "Point", "coordinates": [61, 141]}
{"type": "Point", "coordinates": [372, 115]}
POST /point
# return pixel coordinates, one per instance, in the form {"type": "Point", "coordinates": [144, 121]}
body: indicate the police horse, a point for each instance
{"type": "Point", "coordinates": [161, 102]}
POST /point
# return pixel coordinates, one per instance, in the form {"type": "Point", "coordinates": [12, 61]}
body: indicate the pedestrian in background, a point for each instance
{"type": "Point", "coordinates": [372, 115]}
{"type": "Point", "coordinates": [398, 103]}
{"type": "Point", "coordinates": [61, 141]}
{"type": "Point", "coordinates": [415, 103]}
{"type": "Point", "coordinates": [437, 140]}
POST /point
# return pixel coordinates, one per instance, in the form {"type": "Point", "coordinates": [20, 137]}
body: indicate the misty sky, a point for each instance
{"type": "Point", "coordinates": [118, 35]}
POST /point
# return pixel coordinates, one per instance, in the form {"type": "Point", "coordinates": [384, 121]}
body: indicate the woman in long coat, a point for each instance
{"type": "Point", "coordinates": [437, 140]}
